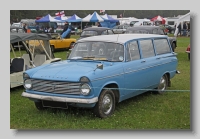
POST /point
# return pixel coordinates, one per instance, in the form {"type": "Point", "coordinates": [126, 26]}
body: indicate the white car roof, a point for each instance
{"type": "Point", "coordinates": [120, 38]}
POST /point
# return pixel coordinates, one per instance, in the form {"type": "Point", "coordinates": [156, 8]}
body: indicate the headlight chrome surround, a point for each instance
{"type": "Point", "coordinates": [84, 79]}
{"type": "Point", "coordinates": [28, 84]}
{"type": "Point", "coordinates": [85, 89]}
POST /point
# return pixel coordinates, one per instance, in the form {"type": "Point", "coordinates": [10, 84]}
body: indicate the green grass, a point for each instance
{"type": "Point", "coordinates": [147, 111]}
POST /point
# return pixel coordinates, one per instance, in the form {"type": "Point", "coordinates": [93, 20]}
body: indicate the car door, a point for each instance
{"type": "Point", "coordinates": [139, 67]}
{"type": "Point", "coordinates": [133, 77]}
{"type": "Point", "coordinates": [115, 29]}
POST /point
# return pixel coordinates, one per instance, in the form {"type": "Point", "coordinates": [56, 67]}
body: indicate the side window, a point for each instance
{"type": "Point", "coordinates": [147, 48]}
{"type": "Point", "coordinates": [133, 51]}
{"type": "Point", "coordinates": [155, 31]}
{"type": "Point", "coordinates": [120, 27]}
{"type": "Point", "coordinates": [110, 32]}
{"type": "Point", "coordinates": [104, 32]}
{"type": "Point", "coordinates": [162, 46]}
{"type": "Point", "coordinates": [162, 32]}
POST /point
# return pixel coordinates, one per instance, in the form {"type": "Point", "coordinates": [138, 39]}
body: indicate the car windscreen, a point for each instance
{"type": "Point", "coordinates": [105, 51]}
{"type": "Point", "coordinates": [89, 33]}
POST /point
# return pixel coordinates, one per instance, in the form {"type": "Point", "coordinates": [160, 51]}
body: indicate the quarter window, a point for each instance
{"type": "Point", "coordinates": [147, 48]}
{"type": "Point", "coordinates": [161, 46]}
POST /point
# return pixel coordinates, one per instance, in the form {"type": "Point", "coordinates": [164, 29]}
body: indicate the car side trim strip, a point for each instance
{"type": "Point", "coordinates": [60, 99]}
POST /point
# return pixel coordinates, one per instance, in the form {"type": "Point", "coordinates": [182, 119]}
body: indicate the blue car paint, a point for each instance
{"type": "Point", "coordinates": [127, 76]}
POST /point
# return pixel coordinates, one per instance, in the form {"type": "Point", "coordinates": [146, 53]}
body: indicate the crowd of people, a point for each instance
{"type": "Point", "coordinates": [183, 27]}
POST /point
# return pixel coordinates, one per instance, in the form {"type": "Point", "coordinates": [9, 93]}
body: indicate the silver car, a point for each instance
{"type": "Point", "coordinates": [120, 29]}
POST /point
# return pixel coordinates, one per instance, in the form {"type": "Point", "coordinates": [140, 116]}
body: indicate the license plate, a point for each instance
{"type": "Point", "coordinates": [54, 104]}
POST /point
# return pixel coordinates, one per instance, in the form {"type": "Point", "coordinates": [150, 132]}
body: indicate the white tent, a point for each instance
{"type": "Point", "coordinates": [182, 19]}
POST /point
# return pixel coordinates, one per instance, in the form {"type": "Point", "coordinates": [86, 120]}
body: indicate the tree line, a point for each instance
{"type": "Point", "coordinates": [17, 15]}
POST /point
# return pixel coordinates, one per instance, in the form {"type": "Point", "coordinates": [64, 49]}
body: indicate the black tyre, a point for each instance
{"type": "Point", "coordinates": [172, 31]}
{"type": "Point", "coordinates": [162, 86]}
{"type": "Point", "coordinates": [71, 45]}
{"type": "Point", "coordinates": [188, 56]}
{"type": "Point", "coordinates": [52, 48]}
{"type": "Point", "coordinates": [173, 46]}
{"type": "Point", "coordinates": [39, 106]}
{"type": "Point", "coordinates": [106, 104]}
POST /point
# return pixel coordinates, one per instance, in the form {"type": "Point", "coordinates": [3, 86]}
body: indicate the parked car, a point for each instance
{"type": "Point", "coordinates": [102, 71]}
{"type": "Point", "coordinates": [17, 29]}
{"type": "Point", "coordinates": [95, 31]}
{"type": "Point", "coordinates": [170, 29]}
{"type": "Point", "coordinates": [38, 53]}
{"type": "Point", "coordinates": [57, 42]}
{"type": "Point", "coordinates": [188, 51]}
{"type": "Point", "coordinates": [152, 30]}
{"type": "Point", "coordinates": [120, 29]}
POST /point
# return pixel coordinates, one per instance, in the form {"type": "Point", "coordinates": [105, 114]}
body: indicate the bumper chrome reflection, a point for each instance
{"type": "Point", "coordinates": [60, 99]}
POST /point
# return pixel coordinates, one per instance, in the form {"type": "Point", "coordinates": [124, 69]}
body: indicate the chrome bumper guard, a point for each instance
{"type": "Point", "coordinates": [60, 99]}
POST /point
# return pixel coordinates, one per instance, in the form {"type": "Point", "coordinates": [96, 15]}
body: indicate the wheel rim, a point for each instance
{"type": "Point", "coordinates": [162, 84]}
{"type": "Point", "coordinates": [107, 104]}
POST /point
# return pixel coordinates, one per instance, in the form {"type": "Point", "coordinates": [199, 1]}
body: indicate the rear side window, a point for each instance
{"type": "Point", "coordinates": [133, 51]}
{"type": "Point", "coordinates": [147, 48]}
{"type": "Point", "coordinates": [162, 46]}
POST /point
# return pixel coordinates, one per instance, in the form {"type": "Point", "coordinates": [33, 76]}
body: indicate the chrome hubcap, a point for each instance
{"type": "Point", "coordinates": [162, 84]}
{"type": "Point", "coordinates": [107, 104]}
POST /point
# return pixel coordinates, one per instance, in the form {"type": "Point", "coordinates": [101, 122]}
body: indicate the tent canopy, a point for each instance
{"type": "Point", "coordinates": [95, 17]}
{"type": "Point", "coordinates": [109, 18]}
{"type": "Point", "coordinates": [74, 18]}
{"type": "Point", "coordinates": [46, 18]}
{"type": "Point", "coordinates": [159, 18]}
{"type": "Point", "coordinates": [61, 18]}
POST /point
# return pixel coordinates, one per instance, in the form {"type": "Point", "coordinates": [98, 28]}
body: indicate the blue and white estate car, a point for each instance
{"type": "Point", "coordinates": [102, 71]}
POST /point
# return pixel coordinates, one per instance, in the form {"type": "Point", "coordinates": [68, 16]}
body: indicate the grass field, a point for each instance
{"type": "Point", "coordinates": [147, 111]}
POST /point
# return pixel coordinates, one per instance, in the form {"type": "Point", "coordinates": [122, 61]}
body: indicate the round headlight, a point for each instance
{"type": "Point", "coordinates": [28, 84]}
{"type": "Point", "coordinates": [85, 89]}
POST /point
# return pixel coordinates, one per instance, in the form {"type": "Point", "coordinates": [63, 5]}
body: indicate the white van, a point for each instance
{"type": "Point", "coordinates": [141, 22]}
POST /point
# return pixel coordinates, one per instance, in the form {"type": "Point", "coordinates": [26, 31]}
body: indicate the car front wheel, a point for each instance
{"type": "Point", "coordinates": [39, 106]}
{"type": "Point", "coordinates": [106, 104]}
{"type": "Point", "coordinates": [52, 48]}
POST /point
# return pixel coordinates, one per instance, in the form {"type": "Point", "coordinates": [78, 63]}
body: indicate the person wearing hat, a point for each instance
{"type": "Point", "coordinates": [65, 27]}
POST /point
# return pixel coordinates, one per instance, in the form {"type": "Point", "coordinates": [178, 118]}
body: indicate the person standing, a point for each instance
{"type": "Point", "coordinates": [184, 28]}
{"type": "Point", "coordinates": [98, 24]}
{"type": "Point", "coordinates": [25, 27]}
{"type": "Point", "coordinates": [179, 29]}
{"type": "Point", "coordinates": [65, 27]}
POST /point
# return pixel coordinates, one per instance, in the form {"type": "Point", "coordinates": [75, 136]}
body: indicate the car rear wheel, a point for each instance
{"type": "Point", "coordinates": [189, 56]}
{"type": "Point", "coordinates": [172, 32]}
{"type": "Point", "coordinates": [106, 104]}
{"type": "Point", "coordinates": [173, 46]}
{"type": "Point", "coordinates": [162, 86]}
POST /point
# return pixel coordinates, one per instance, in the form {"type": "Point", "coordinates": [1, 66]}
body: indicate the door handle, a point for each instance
{"type": "Point", "coordinates": [143, 61]}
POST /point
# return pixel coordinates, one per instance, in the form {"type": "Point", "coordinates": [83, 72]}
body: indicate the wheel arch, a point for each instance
{"type": "Point", "coordinates": [116, 92]}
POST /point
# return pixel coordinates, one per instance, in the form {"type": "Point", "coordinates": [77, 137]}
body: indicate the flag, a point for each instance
{"type": "Point", "coordinates": [102, 11]}
{"type": "Point", "coordinates": [61, 13]}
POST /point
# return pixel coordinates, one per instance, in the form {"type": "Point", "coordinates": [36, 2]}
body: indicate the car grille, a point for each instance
{"type": "Point", "coordinates": [55, 87]}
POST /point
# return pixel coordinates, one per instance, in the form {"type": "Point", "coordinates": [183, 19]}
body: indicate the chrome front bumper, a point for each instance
{"type": "Point", "coordinates": [60, 99]}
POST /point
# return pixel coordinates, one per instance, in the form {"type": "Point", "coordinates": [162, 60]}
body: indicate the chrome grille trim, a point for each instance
{"type": "Point", "coordinates": [57, 87]}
